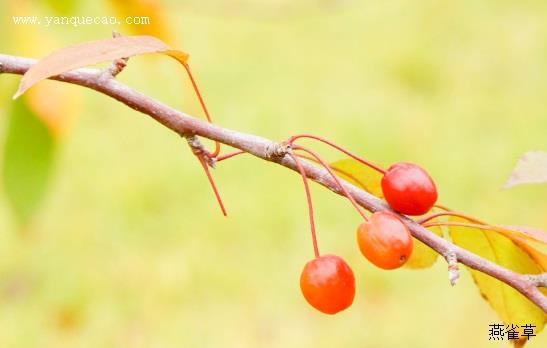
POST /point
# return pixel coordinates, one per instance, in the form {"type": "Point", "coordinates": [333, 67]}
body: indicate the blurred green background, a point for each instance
{"type": "Point", "coordinates": [129, 249]}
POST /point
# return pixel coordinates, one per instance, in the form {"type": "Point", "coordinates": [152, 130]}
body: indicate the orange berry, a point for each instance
{"type": "Point", "coordinates": [384, 240]}
{"type": "Point", "coordinates": [328, 284]}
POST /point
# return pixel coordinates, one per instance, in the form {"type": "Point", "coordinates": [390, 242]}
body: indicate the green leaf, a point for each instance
{"type": "Point", "coordinates": [28, 155]}
{"type": "Point", "coordinates": [511, 306]}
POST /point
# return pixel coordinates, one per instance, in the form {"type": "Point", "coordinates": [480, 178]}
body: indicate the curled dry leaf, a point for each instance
{"type": "Point", "coordinates": [94, 52]}
{"type": "Point", "coordinates": [531, 168]}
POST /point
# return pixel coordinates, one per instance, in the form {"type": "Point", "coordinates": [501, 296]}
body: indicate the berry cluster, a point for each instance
{"type": "Point", "coordinates": [327, 282]}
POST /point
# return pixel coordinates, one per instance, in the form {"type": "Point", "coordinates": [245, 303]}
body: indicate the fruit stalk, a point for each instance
{"type": "Point", "coordinates": [310, 204]}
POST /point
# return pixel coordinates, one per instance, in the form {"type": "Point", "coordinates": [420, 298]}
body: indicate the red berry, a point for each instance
{"type": "Point", "coordinates": [384, 240]}
{"type": "Point", "coordinates": [409, 189]}
{"type": "Point", "coordinates": [328, 284]}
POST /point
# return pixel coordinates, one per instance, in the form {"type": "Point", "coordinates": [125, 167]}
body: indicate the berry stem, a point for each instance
{"type": "Point", "coordinates": [203, 106]}
{"type": "Point", "coordinates": [448, 213]}
{"type": "Point", "coordinates": [229, 155]}
{"type": "Point", "coordinates": [212, 182]}
{"type": "Point", "coordinates": [442, 207]}
{"type": "Point", "coordinates": [309, 201]}
{"type": "Point", "coordinates": [292, 139]}
{"type": "Point", "coordinates": [335, 178]}
{"type": "Point", "coordinates": [337, 170]}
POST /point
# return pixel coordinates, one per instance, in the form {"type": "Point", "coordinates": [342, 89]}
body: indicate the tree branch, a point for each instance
{"type": "Point", "coordinates": [268, 150]}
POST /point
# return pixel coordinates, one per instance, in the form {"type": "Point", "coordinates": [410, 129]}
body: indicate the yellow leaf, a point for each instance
{"type": "Point", "coordinates": [538, 256]}
{"type": "Point", "coordinates": [422, 255]}
{"type": "Point", "coordinates": [156, 23]}
{"type": "Point", "coordinates": [41, 40]}
{"type": "Point", "coordinates": [94, 52]}
{"type": "Point", "coordinates": [360, 175]}
{"type": "Point", "coordinates": [511, 232]}
{"type": "Point", "coordinates": [508, 303]}
{"type": "Point", "coordinates": [56, 106]}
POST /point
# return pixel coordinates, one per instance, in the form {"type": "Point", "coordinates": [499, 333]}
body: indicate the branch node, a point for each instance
{"type": "Point", "coordinates": [453, 268]}
{"type": "Point", "coordinates": [277, 151]}
{"type": "Point", "coordinates": [117, 65]}
{"type": "Point", "coordinates": [537, 280]}
{"type": "Point", "coordinates": [199, 150]}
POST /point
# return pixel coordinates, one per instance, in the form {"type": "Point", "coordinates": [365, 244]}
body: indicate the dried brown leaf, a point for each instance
{"type": "Point", "coordinates": [94, 52]}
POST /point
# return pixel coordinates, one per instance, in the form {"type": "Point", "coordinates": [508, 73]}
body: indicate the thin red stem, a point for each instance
{"type": "Point", "coordinates": [229, 155]}
{"type": "Point", "coordinates": [338, 170]}
{"type": "Point", "coordinates": [448, 213]}
{"type": "Point", "coordinates": [334, 177]}
{"type": "Point", "coordinates": [203, 106]}
{"type": "Point", "coordinates": [339, 148]}
{"type": "Point", "coordinates": [310, 204]}
{"type": "Point", "coordinates": [212, 182]}
{"type": "Point", "coordinates": [442, 207]}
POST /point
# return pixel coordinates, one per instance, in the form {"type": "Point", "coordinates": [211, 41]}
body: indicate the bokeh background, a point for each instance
{"type": "Point", "coordinates": [127, 247]}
